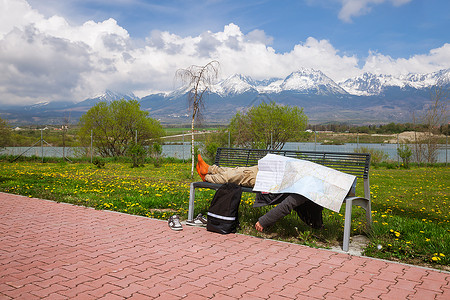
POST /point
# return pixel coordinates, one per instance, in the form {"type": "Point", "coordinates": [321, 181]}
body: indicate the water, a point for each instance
{"type": "Point", "coordinates": [183, 151]}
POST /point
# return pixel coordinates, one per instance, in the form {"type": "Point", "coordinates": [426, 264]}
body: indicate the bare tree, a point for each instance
{"type": "Point", "coordinates": [199, 80]}
{"type": "Point", "coordinates": [434, 117]}
{"type": "Point", "coordinates": [426, 148]}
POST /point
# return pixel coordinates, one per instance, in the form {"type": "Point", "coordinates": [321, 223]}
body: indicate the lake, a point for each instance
{"type": "Point", "coordinates": [182, 151]}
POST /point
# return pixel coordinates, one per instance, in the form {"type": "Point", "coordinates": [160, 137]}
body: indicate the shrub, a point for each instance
{"type": "Point", "coordinates": [98, 162]}
{"type": "Point", "coordinates": [156, 154]}
{"type": "Point", "coordinates": [405, 153]}
{"type": "Point", "coordinates": [376, 156]}
{"type": "Point", "coordinates": [138, 154]}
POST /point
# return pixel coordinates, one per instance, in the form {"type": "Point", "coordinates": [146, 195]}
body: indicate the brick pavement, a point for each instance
{"type": "Point", "coordinates": [59, 251]}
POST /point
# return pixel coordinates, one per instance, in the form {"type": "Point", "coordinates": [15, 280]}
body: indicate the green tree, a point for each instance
{"type": "Point", "coordinates": [199, 79]}
{"type": "Point", "coordinates": [117, 125]}
{"type": "Point", "coordinates": [268, 126]}
{"type": "Point", "coordinates": [5, 133]}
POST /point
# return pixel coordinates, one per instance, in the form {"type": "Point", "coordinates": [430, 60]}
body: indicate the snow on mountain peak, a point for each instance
{"type": "Point", "coordinates": [109, 96]}
{"type": "Point", "coordinates": [310, 81]}
{"type": "Point", "coordinates": [443, 78]}
{"type": "Point", "coordinates": [235, 84]}
{"type": "Point", "coordinates": [307, 79]}
{"type": "Point", "coordinates": [369, 84]}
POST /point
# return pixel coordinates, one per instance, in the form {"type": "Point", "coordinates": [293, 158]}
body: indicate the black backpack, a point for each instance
{"type": "Point", "coordinates": [223, 213]}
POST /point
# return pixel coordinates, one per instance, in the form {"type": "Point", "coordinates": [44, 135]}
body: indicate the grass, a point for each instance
{"type": "Point", "coordinates": [411, 211]}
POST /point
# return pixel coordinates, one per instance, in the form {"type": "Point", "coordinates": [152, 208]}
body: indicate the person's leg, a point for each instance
{"type": "Point", "coordinates": [279, 211]}
{"type": "Point", "coordinates": [244, 176]}
{"type": "Point", "coordinates": [216, 174]}
{"type": "Point", "coordinates": [311, 214]}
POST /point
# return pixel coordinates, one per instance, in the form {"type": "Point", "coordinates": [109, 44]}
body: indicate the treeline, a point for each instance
{"type": "Point", "coordinates": [390, 128]}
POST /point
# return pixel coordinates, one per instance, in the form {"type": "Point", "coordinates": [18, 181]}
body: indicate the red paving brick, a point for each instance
{"type": "Point", "coordinates": [59, 251]}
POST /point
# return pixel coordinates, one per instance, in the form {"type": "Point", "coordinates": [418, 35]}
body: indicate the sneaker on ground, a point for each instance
{"type": "Point", "coordinates": [200, 220]}
{"type": "Point", "coordinates": [174, 223]}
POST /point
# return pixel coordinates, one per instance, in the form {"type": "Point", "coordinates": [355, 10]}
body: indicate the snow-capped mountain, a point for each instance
{"type": "Point", "coordinates": [311, 81]}
{"type": "Point", "coordinates": [365, 97]}
{"type": "Point", "coordinates": [233, 85]}
{"type": "Point", "coordinates": [369, 96]}
{"type": "Point", "coordinates": [302, 81]}
{"type": "Point", "coordinates": [109, 96]}
{"type": "Point", "coordinates": [314, 82]}
{"type": "Point", "coordinates": [369, 84]}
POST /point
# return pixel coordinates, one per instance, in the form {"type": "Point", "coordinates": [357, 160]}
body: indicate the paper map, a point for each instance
{"type": "Point", "coordinates": [322, 185]}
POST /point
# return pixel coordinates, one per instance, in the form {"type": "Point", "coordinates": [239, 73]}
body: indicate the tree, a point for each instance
{"type": "Point", "coordinates": [435, 115]}
{"type": "Point", "coordinates": [5, 133]}
{"type": "Point", "coordinates": [199, 80]}
{"type": "Point", "coordinates": [268, 126]}
{"type": "Point", "coordinates": [116, 126]}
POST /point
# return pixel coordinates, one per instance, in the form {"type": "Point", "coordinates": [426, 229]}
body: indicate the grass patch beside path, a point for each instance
{"type": "Point", "coordinates": [411, 211]}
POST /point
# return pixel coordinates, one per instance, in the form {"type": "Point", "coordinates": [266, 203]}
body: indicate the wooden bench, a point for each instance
{"type": "Point", "coordinates": [352, 163]}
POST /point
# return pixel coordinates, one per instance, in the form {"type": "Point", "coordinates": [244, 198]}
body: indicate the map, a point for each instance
{"type": "Point", "coordinates": [322, 185]}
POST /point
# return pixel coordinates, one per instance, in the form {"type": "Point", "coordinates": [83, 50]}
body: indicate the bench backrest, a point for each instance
{"type": "Point", "coordinates": [352, 163]}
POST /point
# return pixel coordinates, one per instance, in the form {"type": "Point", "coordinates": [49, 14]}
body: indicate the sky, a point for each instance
{"type": "Point", "coordinates": [53, 50]}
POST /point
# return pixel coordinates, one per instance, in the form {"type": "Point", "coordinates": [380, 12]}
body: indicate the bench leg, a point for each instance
{"type": "Point", "coordinates": [368, 215]}
{"type": "Point", "coordinates": [191, 202]}
{"type": "Point", "coordinates": [347, 225]}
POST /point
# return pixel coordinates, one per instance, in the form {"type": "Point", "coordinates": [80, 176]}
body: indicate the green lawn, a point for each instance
{"type": "Point", "coordinates": [411, 211]}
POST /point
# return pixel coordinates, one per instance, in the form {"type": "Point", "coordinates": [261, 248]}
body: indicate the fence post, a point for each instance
{"type": "Point", "coordinates": [398, 157]}
{"type": "Point", "coordinates": [271, 142]}
{"type": "Point", "coordinates": [91, 146]}
{"type": "Point", "coordinates": [315, 139]}
{"type": "Point", "coordinates": [42, 147]}
{"type": "Point", "coordinates": [357, 140]}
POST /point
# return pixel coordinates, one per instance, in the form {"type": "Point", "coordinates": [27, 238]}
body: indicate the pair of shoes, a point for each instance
{"type": "Point", "coordinates": [200, 220]}
{"type": "Point", "coordinates": [174, 223]}
{"type": "Point", "coordinates": [202, 167]}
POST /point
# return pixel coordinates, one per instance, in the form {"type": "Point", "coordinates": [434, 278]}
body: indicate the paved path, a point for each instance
{"type": "Point", "coordinates": [59, 251]}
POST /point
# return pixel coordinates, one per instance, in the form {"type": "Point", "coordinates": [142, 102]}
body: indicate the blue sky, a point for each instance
{"type": "Point", "coordinates": [397, 30]}
{"type": "Point", "coordinates": [136, 45]}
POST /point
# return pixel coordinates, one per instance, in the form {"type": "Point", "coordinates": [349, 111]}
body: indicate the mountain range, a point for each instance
{"type": "Point", "coordinates": [368, 98]}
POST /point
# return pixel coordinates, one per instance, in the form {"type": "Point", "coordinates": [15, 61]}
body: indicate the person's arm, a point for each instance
{"type": "Point", "coordinates": [280, 211]}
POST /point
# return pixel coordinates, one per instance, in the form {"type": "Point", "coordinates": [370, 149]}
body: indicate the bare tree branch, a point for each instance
{"type": "Point", "coordinates": [199, 80]}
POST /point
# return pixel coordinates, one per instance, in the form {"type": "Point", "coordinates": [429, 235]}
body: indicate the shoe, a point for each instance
{"type": "Point", "coordinates": [174, 223]}
{"type": "Point", "coordinates": [202, 176]}
{"type": "Point", "coordinates": [200, 220]}
{"type": "Point", "coordinates": [202, 167]}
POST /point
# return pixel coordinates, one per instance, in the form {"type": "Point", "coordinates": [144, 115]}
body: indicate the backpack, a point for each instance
{"type": "Point", "coordinates": [223, 213]}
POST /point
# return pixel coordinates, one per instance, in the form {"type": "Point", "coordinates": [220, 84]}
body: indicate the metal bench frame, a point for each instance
{"type": "Point", "coordinates": [352, 163]}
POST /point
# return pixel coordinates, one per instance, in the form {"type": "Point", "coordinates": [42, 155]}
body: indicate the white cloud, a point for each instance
{"type": "Point", "coordinates": [436, 59]}
{"type": "Point", "coordinates": [355, 8]}
{"type": "Point", "coordinates": [48, 59]}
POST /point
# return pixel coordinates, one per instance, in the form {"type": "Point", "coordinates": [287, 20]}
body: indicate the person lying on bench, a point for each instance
{"type": "Point", "coordinates": [308, 211]}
